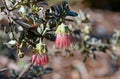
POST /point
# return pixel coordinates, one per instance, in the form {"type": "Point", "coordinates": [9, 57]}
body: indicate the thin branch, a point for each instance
{"type": "Point", "coordinates": [24, 25]}
{"type": "Point", "coordinates": [4, 3]}
{"type": "Point", "coordinates": [17, 3]}
{"type": "Point", "coordinates": [69, 20]}
{"type": "Point", "coordinates": [27, 69]}
{"type": "Point", "coordinates": [31, 43]}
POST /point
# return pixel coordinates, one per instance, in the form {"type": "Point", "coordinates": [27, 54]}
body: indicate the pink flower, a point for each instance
{"type": "Point", "coordinates": [63, 38]}
{"type": "Point", "coordinates": [63, 41]}
{"type": "Point", "coordinates": [40, 56]}
{"type": "Point", "coordinates": [40, 59]}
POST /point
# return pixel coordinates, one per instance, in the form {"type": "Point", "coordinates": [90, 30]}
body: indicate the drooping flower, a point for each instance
{"type": "Point", "coordinates": [63, 38]}
{"type": "Point", "coordinates": [40, 54]}
{"type": "Point", "coordinates": [40, 59]}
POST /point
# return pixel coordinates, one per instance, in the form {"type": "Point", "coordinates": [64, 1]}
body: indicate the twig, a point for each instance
{"type": "Point", "coordinates": [17, 3]}
{"type": "Point", "coordinates": [4, 3]}
{"type": "Point", "coordinates": [27, 69]}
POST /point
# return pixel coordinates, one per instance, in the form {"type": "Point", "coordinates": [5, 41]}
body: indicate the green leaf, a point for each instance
{"type": "Point", "coordinates": [71, 13]}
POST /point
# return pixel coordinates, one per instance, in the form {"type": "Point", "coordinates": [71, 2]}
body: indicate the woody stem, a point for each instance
{"type": "Point", "coordinates": [26, 69]}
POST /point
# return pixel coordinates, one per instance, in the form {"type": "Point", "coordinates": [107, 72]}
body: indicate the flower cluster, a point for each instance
{"type": "Point", "coordinates": [40, 59]}
{"type": "Point", "coordinates": [34, 24]}
{"type": "Point", "coordinates": [40, 54]}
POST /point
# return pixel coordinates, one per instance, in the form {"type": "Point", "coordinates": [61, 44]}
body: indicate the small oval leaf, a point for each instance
{"type": "Point", "coordinates": [11, 35]}
{"type": "Point", "coordinates": [71, 13]}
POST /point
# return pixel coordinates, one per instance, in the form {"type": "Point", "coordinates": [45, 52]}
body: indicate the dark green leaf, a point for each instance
{"type": "Point", "coordinates": [59, 9]}
{"type": "Point", "coordinates": [52, 8]}
{"type": "Point", "coordinates": [48, 70]}
{"type": "Point", "coordinates": [16, 30]}
{"type": "Point", "coordinates": [71, 13]}
{"type": "Point", "coordinates": [50, 37]}
{"type": "Point", "coordinates": [22, 35]}
{"type": "Point", "coordinates": [52, 23]}
{"type": "Point", "coordinates": [64, 3]}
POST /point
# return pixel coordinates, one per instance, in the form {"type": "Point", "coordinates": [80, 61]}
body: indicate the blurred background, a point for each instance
{"type": "Point", "coordinates": [104, 17]}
